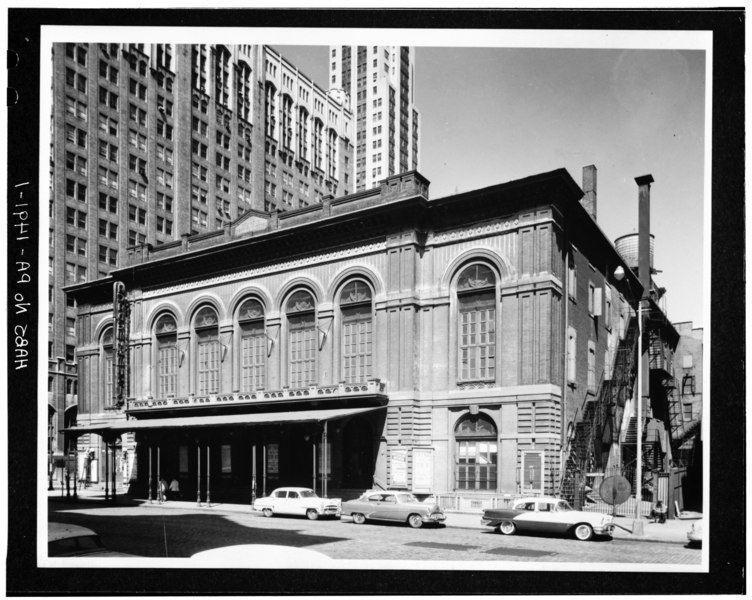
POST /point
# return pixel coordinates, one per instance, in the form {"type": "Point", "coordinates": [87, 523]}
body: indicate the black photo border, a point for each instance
{"type": "Point", "coordinates": [727, 317]}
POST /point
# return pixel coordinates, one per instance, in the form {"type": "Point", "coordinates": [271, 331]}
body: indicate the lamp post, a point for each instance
{"type": "Point", "coordinates": [638, 525]}
{"type": "Point", "coordinates": [51, 465]}
{"type": "Point", "coordinates": [638, 529]}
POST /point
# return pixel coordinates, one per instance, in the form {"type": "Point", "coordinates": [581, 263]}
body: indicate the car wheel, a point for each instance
{"type": "Point", "coordinates": [358, 518]}
{"type": "Point", "coordinates": [312, 514]}
{"type": "Point", "coordinates": [583, 532]}
{"type": "Point", "coordinates": [414, 521]}
{"type": "Point", "coordinates": [507, 528]}
{"type": "Point", "coordinates": [267, 512]}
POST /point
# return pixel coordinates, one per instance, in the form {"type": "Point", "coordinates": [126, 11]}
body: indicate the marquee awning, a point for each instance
{"type": "Point", "coordinates": [299, 416]}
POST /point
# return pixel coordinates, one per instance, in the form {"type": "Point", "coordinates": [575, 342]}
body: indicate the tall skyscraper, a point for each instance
{"type": "Point", "coordinates": [151, 142]}
{"type": "Point", "coordinates": [380, 83]}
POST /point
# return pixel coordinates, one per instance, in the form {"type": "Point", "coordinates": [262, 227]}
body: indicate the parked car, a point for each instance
{"type": "Point", "coordinates": [65, 540]}
{"type": "Point", "coordinates": [298, 501]}
{"type": "Point", "coordinates": [547, 515]}
{"type": "Point", "coordinates": [695, 533]}
{"type": "Point", "coordinates": [392, 506]}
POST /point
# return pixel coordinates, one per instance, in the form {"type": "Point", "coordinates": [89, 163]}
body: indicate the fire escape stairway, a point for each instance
{"type": "Point", "coordinates": [676, 424]}
{"type": "Point", "coordinates": [604, 410]}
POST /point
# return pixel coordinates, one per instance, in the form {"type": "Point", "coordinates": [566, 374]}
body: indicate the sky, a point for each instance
{"type": "Point", "coordinates": [491, 115]}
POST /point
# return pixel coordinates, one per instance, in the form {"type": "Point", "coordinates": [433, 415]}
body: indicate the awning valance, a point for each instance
{"type": "Point", "coordinates": [298, 416]}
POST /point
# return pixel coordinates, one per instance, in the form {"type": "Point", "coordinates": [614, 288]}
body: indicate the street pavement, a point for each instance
{"type": "Point", "coordinates": [672, 531]}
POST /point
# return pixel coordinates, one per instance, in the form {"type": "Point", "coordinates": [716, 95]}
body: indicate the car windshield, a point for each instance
{"type": "Point", "coordinates": [308, 494]}
{"type": "Point", "coordinates": [563, 505]}
{"type": "Point", "coordinates": [407, 498]}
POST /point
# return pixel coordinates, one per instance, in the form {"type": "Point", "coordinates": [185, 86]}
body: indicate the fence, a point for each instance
{"type": "Point", "coordinates": [583, 491]}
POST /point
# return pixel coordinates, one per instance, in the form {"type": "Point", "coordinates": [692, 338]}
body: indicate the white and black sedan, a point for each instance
{"type": "Point", "coordinates": [547, 515]}
{"type": "Point", "coordinates": [298, 501]}
{"type": "Point", "coordinates": [396, 506]}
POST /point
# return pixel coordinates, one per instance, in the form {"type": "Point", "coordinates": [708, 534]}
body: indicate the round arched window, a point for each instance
{"type": "Point", "coordinates": [252, 345]}
{"type": "Point", "coordinates": [477, 455]}
{"type": "Point", "coordinates": [166, 331]}
{"type": "Point", "coordinates": [357, 332]}
{"type": "Point", "coordinates": [301, 338]}
{"type": "Point", "coordinates": [108, 366]}
{"type": "Point", "coordinates": [206, 326]}
{"type": "Point", "coordinates": [476, 300]}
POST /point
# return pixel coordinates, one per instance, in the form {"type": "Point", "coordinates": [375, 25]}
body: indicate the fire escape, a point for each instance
{"type": "Point", "coordinates": [600, 419]}
{"type": "Point", "coordinates": [663, 434]}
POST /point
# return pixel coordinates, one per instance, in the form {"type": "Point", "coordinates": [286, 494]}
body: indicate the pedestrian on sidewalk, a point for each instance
{"type": "Point", "coordinates": [174, 489]}
{"type": "Point", "coordinates": [161, 491]}
{"type": "Point", "coordinates": [658, 514]}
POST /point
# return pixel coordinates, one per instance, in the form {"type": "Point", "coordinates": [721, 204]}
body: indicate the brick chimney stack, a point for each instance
{"type": "Point", "coordinates": [590, 187]}
{"type": "Point", "coordinates": [643, 247]}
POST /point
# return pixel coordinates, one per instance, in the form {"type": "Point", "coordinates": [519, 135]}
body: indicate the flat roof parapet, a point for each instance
{"type": "Point", "coordinates": [254, 222]}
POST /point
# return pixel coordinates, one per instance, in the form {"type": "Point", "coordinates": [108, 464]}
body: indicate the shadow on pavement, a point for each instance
{"type": "Point", "coordinates": [173, 535]}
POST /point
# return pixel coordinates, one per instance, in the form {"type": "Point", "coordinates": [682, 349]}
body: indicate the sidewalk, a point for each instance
{"type": "Point", "coordinates": [672, 531]}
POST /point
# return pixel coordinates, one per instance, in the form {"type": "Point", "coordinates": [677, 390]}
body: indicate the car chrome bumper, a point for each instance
{"type": "Point", "coordinates": [435, 518]}
{"type": "Point", "coordinates": [605, 530]}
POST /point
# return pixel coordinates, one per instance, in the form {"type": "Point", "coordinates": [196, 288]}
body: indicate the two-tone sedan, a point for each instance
{"type": "Point", "coordinates": [298, 501]}
{"type": "Point", "coordinates": [547, 515]}
{"type": "Point", "coordinates": [401, 507]}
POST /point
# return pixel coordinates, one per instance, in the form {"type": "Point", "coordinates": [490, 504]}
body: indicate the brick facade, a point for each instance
{"type": "Point", "coordinates": [410, 252]}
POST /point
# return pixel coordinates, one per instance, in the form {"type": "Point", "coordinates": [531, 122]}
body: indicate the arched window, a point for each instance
{"type": "Point", "coordinates": [477, 455]}
{"type": "Point", "coordinates": [166, 332]}
{"type": "Point", "coordinates": [318, 144]}
{"type": "Point", "coordinates": [357, 332]}
{"type": "Point", "coordinates": [476, 299]}
{"type": "Point", "coordinates": [252, 345]}
{"type": "Point", "coordinates": [286, 122]}
{"type": "Point", "coordinates": [108, 358]}
{"type": "Point", "coordinates": [244, 90]}
{"type": "Point", "coordinates": [301, 324]}
{"type": "Point", "coordinates": [303, 133]}
{"type": "Point", "coordinates": [206, 327]}
{"type": "Point", "coordinates": [331, 171]}
{"type": "Point", "coordinates": [271, 109]}
{"type": "Point", "coordinates": [222, 72]}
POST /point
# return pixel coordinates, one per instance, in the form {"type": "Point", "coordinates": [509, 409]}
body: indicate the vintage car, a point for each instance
{"type": "Point", "coordinates": [64, 539]}
{"type": "Point", "coordinates": [385, 505]}
{"type": "Point", "coordinates": [547, 515]}
{"type": "Point", "coordinates": [298, 501]}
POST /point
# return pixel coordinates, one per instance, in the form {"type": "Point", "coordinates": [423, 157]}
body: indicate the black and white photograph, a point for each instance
{"type": "Point", "coordinates": [375, 302]}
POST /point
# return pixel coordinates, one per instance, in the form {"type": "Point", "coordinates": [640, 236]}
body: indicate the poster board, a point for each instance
{"type": "Point", "coordinates": [423, 469]}
{"type": "Point", "coordinates": [398, 470]}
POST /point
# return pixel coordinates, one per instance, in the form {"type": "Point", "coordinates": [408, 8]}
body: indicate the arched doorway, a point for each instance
{"type": "Point", "coordinates": [357, 454]}
{"type": "Point", "coordinates": [476, 454]}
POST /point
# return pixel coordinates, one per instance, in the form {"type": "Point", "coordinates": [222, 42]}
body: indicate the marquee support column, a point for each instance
{"type": "Point", "coordinates": [253, 474]}
{"type": "Point", "coordinates": [323, 459]}
{"type": "Point", "coordinates": [106, 471]}
{"type": "Point", "coordinates": [198, 474]}
{"type": "Point", "coordinates": [208, 475]}
{"type": "Point", "coordinates": [150, 475]}
{"type": "Point", "coordinates": [263, 470]}
{"type": "Point", "coordinates": [114, 471]}
{"type": "Point", "coordinates": [313, 440]}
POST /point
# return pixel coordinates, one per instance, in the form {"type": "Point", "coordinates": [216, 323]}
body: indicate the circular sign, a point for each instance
{"type": "Point", "coordinates": [615, 489]}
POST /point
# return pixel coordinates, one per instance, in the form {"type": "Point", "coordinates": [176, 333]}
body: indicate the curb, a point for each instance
{"type": "Point", "coordinates": [460, 521]}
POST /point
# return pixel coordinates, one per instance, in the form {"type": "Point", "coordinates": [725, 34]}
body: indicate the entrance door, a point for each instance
{"type": "Point", "coordinates": [357, 454]}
